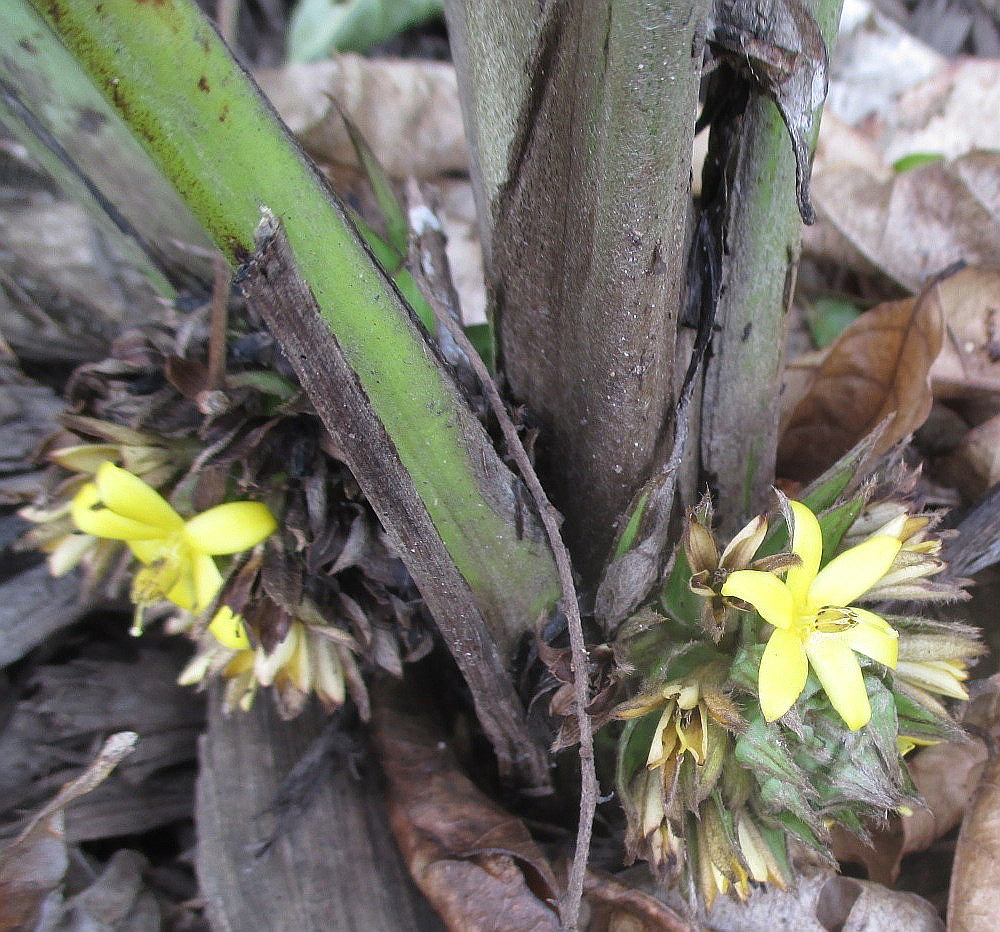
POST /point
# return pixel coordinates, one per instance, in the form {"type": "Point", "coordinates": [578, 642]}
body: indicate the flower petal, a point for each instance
{"type": "Point", "coordinates": [130, 497]}
{"type": "Point", "coordinates": [230, 528]}
{"type": "Point", "coordinates": [783, 671]}
{"type": "Point", "coordinates": [872, 636]}
{"type": "Point", "coordinates": [102, 522]}
{"type": "Point", "coordinates": [228, 630]}
{"type": "Point", "coordinates": [853, 573]}
{"type": "Point", "coordinates": [838, 671]}
{"type": "Point", "coordinates": [183, 593]}
{"type": "Point", "coordinates": [766, 593]}
{"type": "Point", "coordinates": [148, 551]}
{"type": "Point", "coordinates": [207, 580]}
{"type": "Point", "coordinates": [807, 544]}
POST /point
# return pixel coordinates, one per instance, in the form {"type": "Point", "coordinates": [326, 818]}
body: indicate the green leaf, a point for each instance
{"type": "Point", "coordinates": [915, 160]}
{"type": "Point", "coordinates": [392, 263]}
{"type": "Point", "coordinates": [320, 27]}
{"type": "Point", "coordinates": [678, 600]}
{"type": "Point", "coordinates": [761, 751]}
{"type": "Point", "coordinates": [397, 226]}
{"type": "Point", "coordinates": [746, 667]}
{"type": "Point", "coordinates": [828, 318]}
{"type": "Point", "coordinates": [628, 535]}
{"type": "Point", "coordinates": [785, 800]}
{"type": "Point", "coordinates": [270, 383]}
{"type": "Point", "coordinates": [835, 523]}
{"type": "Point", "coordinates": [801, 829]}
{"type": "Point", "coordinates": [777, 840]}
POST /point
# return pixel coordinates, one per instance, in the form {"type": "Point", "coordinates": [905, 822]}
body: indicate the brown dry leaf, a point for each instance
{"type": "Point", "coordinates": [407, 111]}
{"type": "Point", "coordinates": [616, 907]}
{"type": "Point", "coordinates": [974, 899]}
{"type": "Point", "coordinates": [969, 363]}
{"type": "Point", "coordinates": [474, 861]}
{"type": "Point", "coordinates": [33, 864]}
{"type": "Point", "coordinates": [916, 223]}
{"type": "Point", "coordinates": [878, 367]}
{"type": "Point", "coordinates": [974, 465]}
{"type": "Point", "coordinates": [952, 112]}
{"type": "Point", "coordinates": [819, 902]}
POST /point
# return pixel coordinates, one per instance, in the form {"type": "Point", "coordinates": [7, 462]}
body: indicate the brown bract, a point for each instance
{"type": "Point", "coordinates": [878, 367]}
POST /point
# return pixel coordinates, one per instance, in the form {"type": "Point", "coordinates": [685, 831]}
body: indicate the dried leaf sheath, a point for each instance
{"type": "Point", "coordinates": [276, 290]}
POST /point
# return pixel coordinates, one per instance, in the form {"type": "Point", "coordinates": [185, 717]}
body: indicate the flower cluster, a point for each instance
{"type": "Point", "coordinates": [781, 700]}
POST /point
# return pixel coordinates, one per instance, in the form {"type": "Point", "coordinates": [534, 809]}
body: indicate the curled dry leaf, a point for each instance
{"type": "Point", "coordinates": [911, 225]}
{"type": "Point", "coordinates": [474, 861]}
{"type": "Point", "coordinates": [407, 111]}
{"type": "Point", "coordinates": [878, 367]}
{"type": "Point", "coordinates": [617, 907]}
{"type": "Point", "coordinates": [974, 899]}
{"type": "Point", "coordinates": [778, 43]}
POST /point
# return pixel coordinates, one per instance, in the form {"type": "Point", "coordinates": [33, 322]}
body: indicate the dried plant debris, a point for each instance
{"type": "Point", "coordinates": [476, 863]}
{"type": "Point", "coordinates": [34, 864]}
{"type": "Point", "coordinates": [408, 111]}
{"type": "Point", "coordinates": [878, 368]}
{"type": "Point", "coordinates": [779, 46]}
{"type": "Point", "coordinates": [66, 707]}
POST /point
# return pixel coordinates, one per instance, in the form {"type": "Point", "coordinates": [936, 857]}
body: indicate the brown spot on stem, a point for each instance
{"type": "Point", "coordinates": [90, 120]}
{"type": "Point", "coordinates": [203, 85]}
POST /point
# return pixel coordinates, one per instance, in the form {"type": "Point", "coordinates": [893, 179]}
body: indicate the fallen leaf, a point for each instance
{"type": "Point", "coordinates": [407, 111]}
{"type": "Point", "coordinates": [475, 863]}
{"type": "Point", "coordinates": [974, 898]}
{"type": "Point", "coordinates": [617, 907]}
{"type": "Point", "coordinates": [969, 362]}
{"type": "Point", "coordinates": [818, 902]}
{"type": "Point", "coordinates": [974, 465]}
{"type": "Point", "coordinates": [916, 223]}
{"type": "Point", "coordinates": [878, 367]}
{"type": "Point", "coordinates": [953, 112]}
{"type": "Point", "coordinates": [875, 61]}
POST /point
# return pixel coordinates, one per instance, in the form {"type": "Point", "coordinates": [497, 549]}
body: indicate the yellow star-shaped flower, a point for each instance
{"type": "Point", "coordinates": [178, 554]}
{"type": "Point", "coordinates": [815, 623]}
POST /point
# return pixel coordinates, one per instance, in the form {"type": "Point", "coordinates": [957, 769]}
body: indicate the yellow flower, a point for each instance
{"type": "Point", "coordinates": [178, 554]}
{"type": "Point", "coordinates": [815, 623]}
